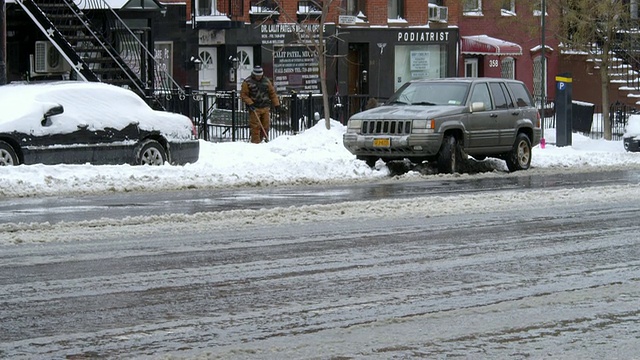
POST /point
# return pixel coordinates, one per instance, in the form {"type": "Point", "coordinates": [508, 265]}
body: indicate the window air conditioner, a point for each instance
{"type": "Point", "coordinates": [48, 60]}
{"type": "Point", "coordinates": [438, 13]}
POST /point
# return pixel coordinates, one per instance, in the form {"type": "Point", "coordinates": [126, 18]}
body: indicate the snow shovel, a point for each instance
{"type": "Point", "coordinates": [266, 136]}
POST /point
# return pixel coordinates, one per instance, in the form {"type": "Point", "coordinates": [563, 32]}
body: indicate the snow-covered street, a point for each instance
{"type": "Point", "coordinates": [314, 156]}
{"type": "Point", "coordinates": [514, 274]}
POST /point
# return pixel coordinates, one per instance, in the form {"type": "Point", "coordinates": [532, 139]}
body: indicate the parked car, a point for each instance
{"type": "Point", "coordinates": [72, 122]}
{"type": "Point", "coordinates": [631, 137]}
{"type": "Point", "coordinates": [444, 120]}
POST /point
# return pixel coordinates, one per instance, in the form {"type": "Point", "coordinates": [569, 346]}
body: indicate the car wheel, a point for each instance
{"type": "Point", "coordinates": [150, 153]}
{"type": "Point", "coordinates": [449, 155]}
{"type": "Point", "coordinates": [520, 156]}
{"type": "Point", "coordinates": [8, 156]}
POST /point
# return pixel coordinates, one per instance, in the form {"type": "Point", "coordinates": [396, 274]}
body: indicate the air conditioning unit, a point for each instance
{"type": "Point", "coordinates": [48, 60]}
{"type": "Point", "coordinates": [438, 13]}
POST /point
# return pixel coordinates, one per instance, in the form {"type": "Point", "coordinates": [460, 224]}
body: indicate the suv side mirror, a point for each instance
{"type": "Point", "coordinates": [477, 106]}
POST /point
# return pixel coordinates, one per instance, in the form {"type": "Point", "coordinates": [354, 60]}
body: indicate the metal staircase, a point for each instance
{"type": "Point", "coordinates": [100, 47]}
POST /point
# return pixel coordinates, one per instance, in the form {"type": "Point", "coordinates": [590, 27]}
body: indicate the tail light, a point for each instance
{"type": "Point", "coordinates": [194, 131]}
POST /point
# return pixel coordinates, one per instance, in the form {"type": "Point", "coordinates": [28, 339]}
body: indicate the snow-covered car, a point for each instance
{"type": "Point", "coordinates": [72, 122]}
{"type": "Point", "coordinates": [631, 137]}
{"type": "Point", "coordinates": [443, 120]}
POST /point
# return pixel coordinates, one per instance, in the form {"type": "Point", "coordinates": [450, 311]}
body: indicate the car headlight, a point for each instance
{"type": "Point", "coordinates": [354, 124]}
{"type": "Point", "coordinates": [423, 126]}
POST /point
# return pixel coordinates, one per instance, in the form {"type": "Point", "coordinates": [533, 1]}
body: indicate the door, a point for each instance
{"type": "Point", "coordinates": [507, 114]}
{"type": "Point", "coordinates": [481, 125]}
{"type": "Point", "coordinates": [245, 64]}
{"type": "Point", "coordinates": [208, 75]}
{"type": "Point", "coordinates": [471, 67]}
{"type": "Point", "coordinates": [358, 77]}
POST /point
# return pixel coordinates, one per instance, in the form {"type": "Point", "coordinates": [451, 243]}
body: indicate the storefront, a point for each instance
{"type": "Point", "coordinates": [376, 62]}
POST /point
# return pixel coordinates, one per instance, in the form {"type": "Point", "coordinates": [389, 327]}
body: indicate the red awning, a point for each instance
{"type": "Point", "coordinates": [487, 45]}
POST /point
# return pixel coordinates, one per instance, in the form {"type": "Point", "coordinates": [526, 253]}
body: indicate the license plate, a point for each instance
{"type": "Point", "coordinates": [385, 142]}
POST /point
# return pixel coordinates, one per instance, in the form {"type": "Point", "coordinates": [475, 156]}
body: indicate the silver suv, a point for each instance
{"type": "Point", "coordinates": [444, 120]}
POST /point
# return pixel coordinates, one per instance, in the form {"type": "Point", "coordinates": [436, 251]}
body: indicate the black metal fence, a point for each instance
{"type": "Point", "coordinates": [221, 116]}
{"type": "Point", "coordinates": [588, 119]}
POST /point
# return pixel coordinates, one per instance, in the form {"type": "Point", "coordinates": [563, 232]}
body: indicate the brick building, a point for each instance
{"type": "Point", "coordinates": [372, 46]}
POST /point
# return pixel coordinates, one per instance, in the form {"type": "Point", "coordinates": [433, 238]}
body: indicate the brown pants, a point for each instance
{"type": "Point", "coordinates": [260, 116]}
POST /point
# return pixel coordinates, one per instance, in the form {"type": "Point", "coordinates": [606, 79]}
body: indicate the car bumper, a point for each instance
{"type": "Point", "coordinates": [184, 152]}
{"type": "Point", "coordinates": [631, 144]}
{"type": "Point", "coordinates": [414, 145]}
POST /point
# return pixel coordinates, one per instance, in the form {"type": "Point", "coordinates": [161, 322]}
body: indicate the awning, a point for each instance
{"type": "Point", "coordinates": [487, 45]}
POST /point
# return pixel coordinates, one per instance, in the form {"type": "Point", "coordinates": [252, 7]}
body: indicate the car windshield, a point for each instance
{"type": "Point", "coordinates": [436, 93]}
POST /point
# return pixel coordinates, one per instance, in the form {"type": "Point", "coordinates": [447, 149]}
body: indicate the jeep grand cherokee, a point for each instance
{"type": "Point", "coordinates": [444, 120]}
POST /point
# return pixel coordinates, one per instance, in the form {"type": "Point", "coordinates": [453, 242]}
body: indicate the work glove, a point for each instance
{"type": "Point", "coordinates": [251, 108]}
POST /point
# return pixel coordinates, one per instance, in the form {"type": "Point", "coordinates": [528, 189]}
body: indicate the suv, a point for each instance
{"type": "Point", "coordinates": [444, 120]}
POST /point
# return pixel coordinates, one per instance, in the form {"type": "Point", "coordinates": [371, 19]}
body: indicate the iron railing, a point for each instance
{"type": "Point", "coordinates": [221, 116]}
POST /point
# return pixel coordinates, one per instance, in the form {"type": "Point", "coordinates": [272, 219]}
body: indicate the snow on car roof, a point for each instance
{"type": "Point", "coordinates": [97, 104]}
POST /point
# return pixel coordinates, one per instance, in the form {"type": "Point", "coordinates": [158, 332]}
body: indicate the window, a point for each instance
{"type": "Point", "coordinates": [395, 9]}
{"type": "Point", "coordinates": [537, 78]}
{"type": "Point", "coordinates": [419, 62]}
{"type": "Point", "coordinates": [472, 6]}
{"type": "Point", "coordinates": [437, 2]}
{"type": "Point", "coordinates": [481, 94]}
{"type": "Point", "coordinates": [508, 7]}
{"type": "Point", "coordinates": [499, 96]}
{"type": "Point", "coordinates": [471, 67]}
{"type": "Point", "coordinates": [510, 103]}
{"type": "Point", "coordinates": [206, 7]}
{"type": "Point", "coordinates": [309, 7]}
{"type": "Point", "coordinates": [508, 69]}
{"type": "Point", "coordinates": [355, 7]}
{"type": "Point", "coordinates": [163, 53]}
{"type": "Point", "coordinates": [521, 94]}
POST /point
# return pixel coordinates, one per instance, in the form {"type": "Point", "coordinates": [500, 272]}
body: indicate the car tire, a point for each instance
{"type": "Point", "coordinates": [520, 156]}
{"type": "Point", "coordinates": [150, 152]}
{"type": "Point", "coordinates": [8, 156]}
{"type": "Point", "coordinates": [449, 157]}
{"type": "Point", "coordinates": [370, 160]}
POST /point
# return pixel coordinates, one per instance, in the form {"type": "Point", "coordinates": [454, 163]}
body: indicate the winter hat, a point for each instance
{"type": "Point", "coordinates": [257, 71]}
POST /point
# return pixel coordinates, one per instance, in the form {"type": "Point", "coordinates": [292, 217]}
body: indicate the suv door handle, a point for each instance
{"type": "Point", "coordinates": [494, 115]}
{"type": "Point", "coordinates": [515, 113]}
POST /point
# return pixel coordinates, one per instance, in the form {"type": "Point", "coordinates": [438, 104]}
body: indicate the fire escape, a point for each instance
{"type": "Point", "coordinates": [100, 47]}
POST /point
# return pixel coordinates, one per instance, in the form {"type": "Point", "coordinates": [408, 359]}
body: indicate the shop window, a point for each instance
{"type": "Point", "coordinates": [395, 9]}
{"type": "Point", "coordinates": [508, 69]}
{"type": "Point", "coordinates": [419, 62]}
{"type": "Point", "coordinates": [472, 7]}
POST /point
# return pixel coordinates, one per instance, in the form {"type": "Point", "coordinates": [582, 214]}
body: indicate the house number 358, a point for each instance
{"type": "Point", "coordinates": [493, 63]}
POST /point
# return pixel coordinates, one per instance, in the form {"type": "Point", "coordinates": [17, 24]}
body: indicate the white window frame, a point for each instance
{"type": "Point", "coordinates": [473, 64]}
{"type": "Point", "coordinates": [508, 8]}
{"type": "Point", "coordinates": [477, 9]}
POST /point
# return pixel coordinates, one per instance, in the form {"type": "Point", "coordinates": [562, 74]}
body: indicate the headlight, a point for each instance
{"type": "Point", "coordinates": [423, 126]}
{"type": "Point", "coordinates": [354, 124]}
